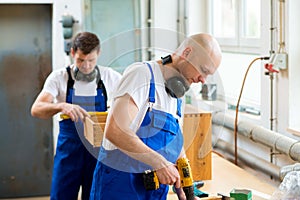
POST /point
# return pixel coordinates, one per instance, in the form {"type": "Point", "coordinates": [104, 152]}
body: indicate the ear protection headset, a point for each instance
{"type": "Point", "coordinates": [79, 76]}
{"type": "Point", "coordinates": [176, 85]}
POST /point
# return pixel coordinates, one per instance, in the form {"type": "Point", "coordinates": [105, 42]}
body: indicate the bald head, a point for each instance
{"type": "Point", "coordinates": [204, 46]}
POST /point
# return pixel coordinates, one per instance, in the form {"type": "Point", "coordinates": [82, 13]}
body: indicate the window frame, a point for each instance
{"type": "Point", "coordinates": [239, 43]}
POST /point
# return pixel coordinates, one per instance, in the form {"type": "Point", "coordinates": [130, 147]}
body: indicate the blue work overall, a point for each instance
{"type": "Point", "coordinates": [74, 162]}
{"type": "Point", "coordinates": [118, 176]}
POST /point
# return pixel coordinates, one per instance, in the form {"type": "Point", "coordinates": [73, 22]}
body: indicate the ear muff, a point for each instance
{"type": "Point", "coordinates": [176, 87]}
{"type": "Point", "coordinates": [79, 76]}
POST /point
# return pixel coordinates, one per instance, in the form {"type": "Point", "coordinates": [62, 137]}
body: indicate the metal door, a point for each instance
{"type": "Point", "coordinates": [117, 23]}
{"type": "Point", "coordinates": [26, 147]}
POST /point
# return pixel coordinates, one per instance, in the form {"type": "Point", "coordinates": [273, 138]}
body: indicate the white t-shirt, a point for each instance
{"type": "Point", "coordinates": [56, 83]}
{"type": "Point", "coordinates": [136, 82]}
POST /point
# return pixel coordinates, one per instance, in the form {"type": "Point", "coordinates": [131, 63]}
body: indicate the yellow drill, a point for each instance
{"type": "Point", "coordinates": [186, 177]}
{"type": "Point", "coordinates": [151, 181]}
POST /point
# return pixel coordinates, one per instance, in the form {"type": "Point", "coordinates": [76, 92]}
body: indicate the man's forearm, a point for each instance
{"type": "Point", "coordinates": [45, 110]}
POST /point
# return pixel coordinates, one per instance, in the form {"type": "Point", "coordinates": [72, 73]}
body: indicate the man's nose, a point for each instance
{"type": "Point", "coordinates": [86, 63]}
{"type": "Point", "coordinates": [201, 79]}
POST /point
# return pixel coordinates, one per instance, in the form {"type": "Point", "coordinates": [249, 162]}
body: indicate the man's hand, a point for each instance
{"type": "Point", "coordinates": [168, 175]}
{"type": "Point", "coordinates": [75, 112]}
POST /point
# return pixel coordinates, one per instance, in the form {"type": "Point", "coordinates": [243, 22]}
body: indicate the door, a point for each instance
{"type": "Point", "coordinates": [26, 147]}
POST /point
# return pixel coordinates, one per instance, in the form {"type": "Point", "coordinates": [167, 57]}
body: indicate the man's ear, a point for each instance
{"type": "Point", "coordinates": [72, 52]}
{"type": "Point", "coordinates": [186, 52]}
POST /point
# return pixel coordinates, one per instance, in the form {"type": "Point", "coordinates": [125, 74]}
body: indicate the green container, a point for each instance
{"type": "Point", "coordinates": [241, 194]}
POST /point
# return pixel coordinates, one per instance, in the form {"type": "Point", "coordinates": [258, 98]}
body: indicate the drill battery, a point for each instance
{"type": "Point", "coordinates": [150, 180]}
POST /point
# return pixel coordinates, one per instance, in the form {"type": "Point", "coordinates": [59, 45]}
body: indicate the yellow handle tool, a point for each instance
{"type": "Point", "coordinates": [65, 116]}
{"type": "Point", "coordinates": [186, 177]}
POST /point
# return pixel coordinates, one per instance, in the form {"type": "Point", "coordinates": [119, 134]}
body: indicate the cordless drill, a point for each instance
{"type": "Point", "coordinates": [150, 180]}
{"type": "Point", "coordinates": [186, 177]}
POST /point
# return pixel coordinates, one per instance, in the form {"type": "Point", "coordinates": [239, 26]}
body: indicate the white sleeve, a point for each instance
{"type": "Point", "coordinates": [51, 84]}
{"type": "Point", "coordinates": [135, 82]}
{"type": "Point", "coordinates": [56, 84]}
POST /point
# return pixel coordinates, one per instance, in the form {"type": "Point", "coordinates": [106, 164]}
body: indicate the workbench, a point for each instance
{"type": "Point", "coordinates": [227, 176]}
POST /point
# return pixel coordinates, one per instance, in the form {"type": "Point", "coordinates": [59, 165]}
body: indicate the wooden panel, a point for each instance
{"type": "Point", "coordinates": [197, 142]}
{"type": "Point", "coordinates": [94, 128]}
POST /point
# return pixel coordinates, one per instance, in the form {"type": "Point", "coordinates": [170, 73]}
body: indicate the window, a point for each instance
{"type": "Point", "coordinates": [236, 24]}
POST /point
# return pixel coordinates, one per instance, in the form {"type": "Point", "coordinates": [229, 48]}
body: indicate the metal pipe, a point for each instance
{"type": "Point", "coordinates": [281, 25]}
{"type": "Point", "coordinates": [181, 21]}
{"type": "Point", "coordinates": [149, 25]}
{"type": "Point", "coordinates": [272, 29]}
{"type": "Point", "coordinates": [271, 74]}
{"type": "Point", "coordinates": [185, 17]}
{"type": "Point", "coordinates": [269, 138]}
{"type": "Point", "coordinates": [251, 160]}
{"type": "Point", "coordinates": [178, 22]}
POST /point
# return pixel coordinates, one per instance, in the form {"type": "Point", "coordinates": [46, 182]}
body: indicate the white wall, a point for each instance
{"type": "Point", "coordinates": [294, 64]}
{"type": "Point", "coordinates": [197, 16]}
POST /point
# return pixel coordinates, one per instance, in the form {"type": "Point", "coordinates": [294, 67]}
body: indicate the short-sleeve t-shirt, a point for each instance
{"type": "Point", "coordinates": [56, 83]}
{"type": "Point", "coordinates": [135, 82]}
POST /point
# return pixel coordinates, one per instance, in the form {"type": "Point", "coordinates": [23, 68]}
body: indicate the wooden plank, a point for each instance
{"type": "Point", "coordinates": [94, 128]}
{"type": "Point", "coordinates": [197, 142]}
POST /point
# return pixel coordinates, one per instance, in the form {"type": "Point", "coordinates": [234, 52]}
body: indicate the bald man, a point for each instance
{"type": "Point", "coordinates": [143, 131]}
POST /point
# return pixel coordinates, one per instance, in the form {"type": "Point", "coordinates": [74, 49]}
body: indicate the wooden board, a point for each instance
{"type": "Point", "coordinates": [197, 142]}
{"type": "Point", "coordinates": [94, 128]}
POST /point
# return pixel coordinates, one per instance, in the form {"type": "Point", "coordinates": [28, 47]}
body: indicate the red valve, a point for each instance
{"type": "Point", "coordinates": [269, 67]}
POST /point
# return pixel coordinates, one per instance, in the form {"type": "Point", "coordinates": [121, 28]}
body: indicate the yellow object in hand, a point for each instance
{"type": "Point", "coordinates": [65, 116]}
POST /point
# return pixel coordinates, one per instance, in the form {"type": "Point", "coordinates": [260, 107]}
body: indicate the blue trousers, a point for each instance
{"type": "Point", "coordinates": [111, 184]}
{"type": "Point", "coordinates": [73, 167]}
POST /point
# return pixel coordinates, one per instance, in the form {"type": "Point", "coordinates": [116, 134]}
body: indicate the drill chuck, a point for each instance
{"type": "Point", "coordinates": [189, 192]}
{"type": "Point", "coordinates": [186, 177]}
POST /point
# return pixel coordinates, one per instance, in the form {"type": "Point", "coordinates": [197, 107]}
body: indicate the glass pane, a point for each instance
{"type": "Point", "coordinates": [224, 18]}
{"type": "Point", "coordinates": [251, 19]}
{"type": "Point", "coordinates": [120, 42]}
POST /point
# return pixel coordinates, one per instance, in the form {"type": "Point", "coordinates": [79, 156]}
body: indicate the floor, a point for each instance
{"type": "Point", "coordinates": [29, 198]}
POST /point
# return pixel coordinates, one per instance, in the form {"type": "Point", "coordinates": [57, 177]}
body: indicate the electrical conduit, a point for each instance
{"type": "Point", "coordinates": [272, 139]}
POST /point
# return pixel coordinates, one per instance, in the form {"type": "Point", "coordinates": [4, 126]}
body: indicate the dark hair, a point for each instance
{"type": "Point", "coordinates": [86, 42]}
